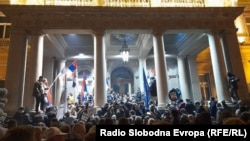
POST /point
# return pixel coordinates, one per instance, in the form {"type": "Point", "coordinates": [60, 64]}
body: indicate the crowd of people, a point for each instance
{"type": "Point", "coordinates": [80, 121]}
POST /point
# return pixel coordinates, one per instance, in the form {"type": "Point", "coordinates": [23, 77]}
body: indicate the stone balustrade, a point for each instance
{"type": "Point", "coordinates": [4, 43]}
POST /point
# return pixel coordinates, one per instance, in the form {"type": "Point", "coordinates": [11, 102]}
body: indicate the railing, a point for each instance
{"type": "Point", "coordinates": [70, 2]}
{"type": "Point", "coordinates": [132, 3]}
{"type": "Point", "coordinates": [129, 3]}
{"type": "Point", "coordinates": [182, 3]}
{"type": "Point", "coordinates": [4, 43]}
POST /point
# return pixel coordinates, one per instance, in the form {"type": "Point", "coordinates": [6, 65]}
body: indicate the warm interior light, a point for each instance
{"type": "Point", "coordinates": [241, 40]}
{"type": "Point", "coordinates": [124, 51]}
{"type": "Point", "coordinates": [81, 55]}
{"type": "Point", "coordinates": [125, 55]}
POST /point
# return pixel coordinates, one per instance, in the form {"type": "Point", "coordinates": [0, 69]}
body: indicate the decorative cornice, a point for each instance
{"type": "Point", "coordinates": [100, 18]}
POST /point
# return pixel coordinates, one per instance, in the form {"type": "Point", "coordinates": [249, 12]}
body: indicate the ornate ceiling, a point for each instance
{"type": "Point", "coordinates": [176, 42]}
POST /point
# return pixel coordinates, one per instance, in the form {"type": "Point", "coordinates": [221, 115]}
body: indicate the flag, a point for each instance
{"type": "Point", "coordinates": [73, 68]}
{"type": "Point", "coordinates": [74, 75]}
{"type": "Point", "coordinates": [62, 73]}
{"type": "Point", "coordinates": [61, 76]}
{"type": "Point", "coordinates": [63, 106]}
{"type": "Point", "coordinates": [84, 82]}
{"type": "Point", "coordinates": [62, 109]}
{"type": "Point", "coordinates": [48, 92]}
{"type": "Point", "coordinates": [146, 91]}
{"type": "Point", "coordinates": [84, 87]}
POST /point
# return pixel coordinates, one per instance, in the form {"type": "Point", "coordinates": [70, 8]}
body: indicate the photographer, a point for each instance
{"type": "Point", "coordinates": [233, 87]}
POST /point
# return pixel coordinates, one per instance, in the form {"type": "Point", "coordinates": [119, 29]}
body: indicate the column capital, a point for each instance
{"type": "Point", "coordinates": [18, 31]}
{"type": "Point", "coordinates": [181, 56]}
{"type": "Point", "coordinates": [219, 31]}
{"type": "Point", "coordinates": [37, 33]}
{"type": "Point", "coordinates": [230, 31]}
{"type": "Point", "coordinates": [98, 32]}
{"type": "Point", "coordinates": [214, 31]}
{"type": "Point", "coordinates": [191, 57]}
{"type": "Point", "coordinates": [142, 59]}
{"type": "Point", "coordinates": [157, 32]}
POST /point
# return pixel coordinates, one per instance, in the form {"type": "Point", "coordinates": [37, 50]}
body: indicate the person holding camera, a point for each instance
{"type": "Point", "coordinates": [233, 87]}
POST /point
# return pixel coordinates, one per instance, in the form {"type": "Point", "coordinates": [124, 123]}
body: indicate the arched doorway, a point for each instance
{"type": "Point", "coordinates": [122, 80]}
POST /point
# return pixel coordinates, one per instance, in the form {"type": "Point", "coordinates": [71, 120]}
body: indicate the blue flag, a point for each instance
{"type": "Point", "coordinates": [73, 66]}
{"type": "Point", "coordinates": [146, 91]}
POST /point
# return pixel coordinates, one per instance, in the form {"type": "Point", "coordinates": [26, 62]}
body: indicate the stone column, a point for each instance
{"type": "Point", "coordinates": [100, 97]}
{"type": "Point", "coordinates": [35, 66]}
{"type": "Point", "coordinates": [184, 87]}
{"type": "Point", "coordinates": [53, 82]}
{"type": "Point", "coordinates": [48, 71]}
{"type": "Point", "coordinates": [129, 89]}
{"type": "Point", "coordinates": [16, 68]}
{"type": "Point", "coordinates": [60, 81]}
{"type": "Point", "coordinates": [106, 74]}
{"type": "Point", "coordinates": [194, 80]}
{"type": "Point", "coordinates": [232, 49]}
{"type": "Point", "coordinates": [161, 70]}
{"type": "Point", "coordinates": [218, 66]}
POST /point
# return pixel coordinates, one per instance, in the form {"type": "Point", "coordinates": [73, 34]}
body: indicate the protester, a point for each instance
{"type": "Point", "coordinates": [38, 93]}
{"type": "Point", "coordinates": [233, 87]}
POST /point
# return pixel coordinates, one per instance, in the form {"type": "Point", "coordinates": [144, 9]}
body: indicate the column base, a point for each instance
{"type": "Point", "coordinates": [161, 107]}
{"type": "Point", "coordinates": [97, 108]}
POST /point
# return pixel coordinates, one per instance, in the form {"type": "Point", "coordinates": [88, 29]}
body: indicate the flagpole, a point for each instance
{"type": "Point", "coordinates": [60, 74]}
{"type": "Point", "coordinates": [53, 82]}
{"type": "Point", "coordinates": [64, 72]}
{"type": "Point", "coordinates": [66, 94]}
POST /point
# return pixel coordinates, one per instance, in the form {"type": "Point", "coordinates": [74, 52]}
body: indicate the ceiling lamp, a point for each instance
{"type": "Point", "coordinates": [124, 51]}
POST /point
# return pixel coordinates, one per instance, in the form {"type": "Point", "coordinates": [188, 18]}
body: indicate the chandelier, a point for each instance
{"type": "Point", "coordinates": [124, 51]}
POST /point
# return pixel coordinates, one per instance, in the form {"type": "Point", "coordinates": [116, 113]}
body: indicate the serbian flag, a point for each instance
{"type": "Point", "coordinates": [49, 94]}
{"type": "Point", "coordinates": [84, 87]}
{"type": "Point", "coordinates": [73, 66]}
{"type": "Point", "coordinates": [73, 69]}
